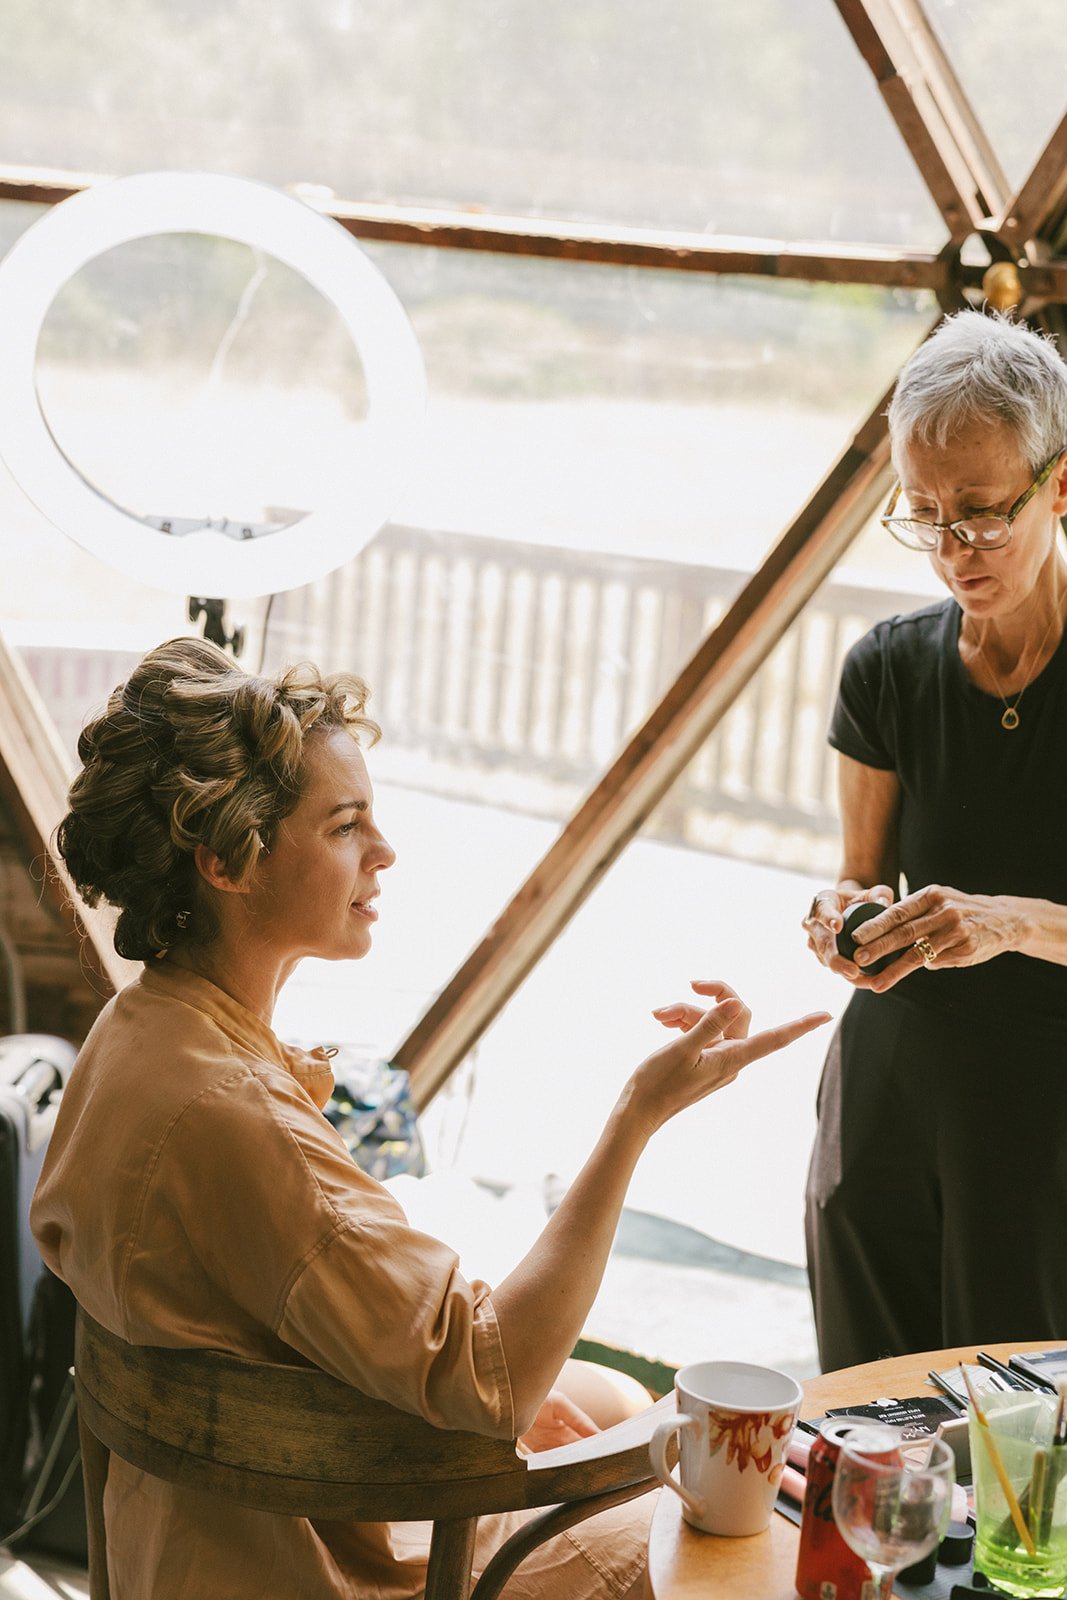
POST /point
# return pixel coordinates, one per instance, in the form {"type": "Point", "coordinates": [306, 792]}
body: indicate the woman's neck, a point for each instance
{"type": "Point", "coordinates": [247, 976]}
{"type": "Point", "coordinates": [1015, 647]}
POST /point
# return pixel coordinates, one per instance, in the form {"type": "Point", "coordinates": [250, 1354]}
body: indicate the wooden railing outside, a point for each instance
{"type": "Point", "coordinates": [514, 672]}
{"type": "Point", "coordinates": [495, 660]}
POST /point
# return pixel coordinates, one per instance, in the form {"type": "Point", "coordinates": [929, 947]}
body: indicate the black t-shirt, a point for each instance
{"type": "Point", "coordinates": [983, 809]}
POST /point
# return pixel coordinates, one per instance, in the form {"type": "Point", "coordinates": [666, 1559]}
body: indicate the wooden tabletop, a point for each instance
{"type": "Point", "coordinates": [684, 1563]}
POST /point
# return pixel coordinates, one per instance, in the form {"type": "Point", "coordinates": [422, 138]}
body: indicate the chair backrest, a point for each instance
{"type": "Point", "coordinates": [292, 1440]}
{"type": "Point", "coordinates": [298, 1442]}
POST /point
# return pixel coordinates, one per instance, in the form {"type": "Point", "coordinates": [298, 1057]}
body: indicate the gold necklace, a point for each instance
{"type": "Point", "coordinates": [1010, 715]}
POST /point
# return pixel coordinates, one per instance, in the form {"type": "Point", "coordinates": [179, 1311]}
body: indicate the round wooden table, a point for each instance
{"type": "Point", "coordinates": [684, 1564]}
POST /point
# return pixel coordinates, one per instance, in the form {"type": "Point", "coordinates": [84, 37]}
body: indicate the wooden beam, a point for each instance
{"type": "Point", "coordinates": [961, 120]}
{"type": "Point", "coordinates": [930, 109]}
{"type": "Point", "coordinates": [672, 251]}
{"type": "Point", "coordinates": [44, 186]}
{"type": "Point", "coordinates": [34, 772]}
{"type": "Point", "coordinates": [661, 749]}
{"type": "Point", "coordinates": [1040, 201]}
{"type": "Point", "coordinates": [1044, 284]}
{"type": "Point", "coordinates": [811, 261]}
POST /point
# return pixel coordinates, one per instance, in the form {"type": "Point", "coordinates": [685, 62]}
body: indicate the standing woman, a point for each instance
{"type": "Point", "coordinates": [937, 1194]}
{"type": "Point", "coordinates": [194, 1194]}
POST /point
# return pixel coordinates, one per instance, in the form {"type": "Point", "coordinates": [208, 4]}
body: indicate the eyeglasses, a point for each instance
{"type": "Point", "coordinates": [983, 532]}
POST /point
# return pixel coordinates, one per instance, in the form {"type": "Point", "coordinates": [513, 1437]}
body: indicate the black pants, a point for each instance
{"type": "Point", "coordinates": [937, 1192]}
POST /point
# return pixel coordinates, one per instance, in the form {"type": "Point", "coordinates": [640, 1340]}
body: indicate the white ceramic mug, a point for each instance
{"type": "Point", "coordinates": [734, 1422]}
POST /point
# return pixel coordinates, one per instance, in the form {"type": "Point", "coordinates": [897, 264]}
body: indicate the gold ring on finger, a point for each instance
{"type": "Point", "coordinates": [926, 950]}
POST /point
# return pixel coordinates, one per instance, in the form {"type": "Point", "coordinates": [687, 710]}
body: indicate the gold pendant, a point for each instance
{"type": "Point", "coordinates": [1010, 719]}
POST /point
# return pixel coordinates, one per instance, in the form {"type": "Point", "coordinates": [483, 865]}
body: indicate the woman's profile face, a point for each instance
{"type": "Point", "coordinates": [314, 893]}
{"type": "Point", "coordinates": [982, 469]}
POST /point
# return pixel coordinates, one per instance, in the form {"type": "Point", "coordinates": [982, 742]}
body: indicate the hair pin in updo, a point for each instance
{"type": "Point", "coordinates": [182, 918]}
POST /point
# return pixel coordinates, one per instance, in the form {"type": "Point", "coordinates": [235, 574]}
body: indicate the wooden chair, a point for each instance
{"type": "Point", "coordinates": [295, 1441]}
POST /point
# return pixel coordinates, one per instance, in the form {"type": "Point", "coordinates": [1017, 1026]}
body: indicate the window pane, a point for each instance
{"type": "Point", "coordinates": [715, 886]}
{"type": "Point", "coordinates": [754, 119]}
{"type": "Point", "coordinates": [508, 670]}
{"type": "Point", "coordinates": [609, 453]}
{"type": "Point", "coordinates": [1018, 93]}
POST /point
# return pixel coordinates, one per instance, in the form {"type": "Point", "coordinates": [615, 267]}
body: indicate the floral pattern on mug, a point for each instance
{"type": "Point", "coordinates": [740, 1434]}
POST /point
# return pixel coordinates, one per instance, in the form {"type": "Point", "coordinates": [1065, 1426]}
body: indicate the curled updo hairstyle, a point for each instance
{"type": "Point", "coordinates": [191, 750]}
{"type": "Point", "coordinates": [981, 367]}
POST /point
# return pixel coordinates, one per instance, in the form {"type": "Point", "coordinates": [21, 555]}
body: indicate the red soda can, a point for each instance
{"type": "Point", "coordinates": [826, 1568]}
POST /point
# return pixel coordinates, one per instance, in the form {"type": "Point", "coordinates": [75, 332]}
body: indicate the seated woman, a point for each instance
{"type": "Point", "coordinates": [194, 1195]}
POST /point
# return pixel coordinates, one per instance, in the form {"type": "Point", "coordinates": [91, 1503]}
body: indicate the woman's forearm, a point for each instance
{"type": "Point", "coordinates": [542, 1305]}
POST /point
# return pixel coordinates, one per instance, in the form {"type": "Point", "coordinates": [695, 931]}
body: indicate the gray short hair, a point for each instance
{"type": "Point", "coordinates": [983, 367]}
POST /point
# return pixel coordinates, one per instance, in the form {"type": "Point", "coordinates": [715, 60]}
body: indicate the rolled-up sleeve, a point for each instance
{"type": "Point", "coordinates": [276, 1212]}
{"type": "Point", "coordinates": [387, 1309]}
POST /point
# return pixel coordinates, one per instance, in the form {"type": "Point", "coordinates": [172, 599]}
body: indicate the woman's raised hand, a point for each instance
{"type": "Point", "coordinates": [710, 1051]}
{"type": "Point", "coordinates": [542, 1304]}
{"type": "Point", "coordinates": [684, 1015]}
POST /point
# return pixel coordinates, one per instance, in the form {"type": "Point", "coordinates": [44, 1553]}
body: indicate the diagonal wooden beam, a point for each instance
{"type": "Point", "coordinates": [1040, 201]}
{"type": "Point", "coordinates": [960, 117]}
{"type": "Point", "coordinates": [931, 110]}
{"type": "Point", "coordinates": [34, 772]}
{"type": "Point", "coordinates": [656, 755]}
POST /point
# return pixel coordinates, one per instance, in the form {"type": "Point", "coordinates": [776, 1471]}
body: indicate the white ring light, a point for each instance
{"type": "Point", "coordinates": [50, 252]}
